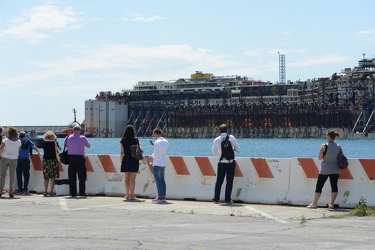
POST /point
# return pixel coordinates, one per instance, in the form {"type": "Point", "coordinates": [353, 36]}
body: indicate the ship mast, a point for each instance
{"type": "Point", "coordinates": [75, 117]}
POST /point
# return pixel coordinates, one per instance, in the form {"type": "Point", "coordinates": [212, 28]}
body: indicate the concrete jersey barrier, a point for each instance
{"type": "Point", "coordinates": [257, 180]}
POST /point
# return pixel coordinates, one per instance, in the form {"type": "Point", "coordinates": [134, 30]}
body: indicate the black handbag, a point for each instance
{"type": "Point", "coordinates": [342, 161]}
{"type": "Point", "coordinates": [136, 151]}
{"type": "Point", "coordinates": [64, 157]}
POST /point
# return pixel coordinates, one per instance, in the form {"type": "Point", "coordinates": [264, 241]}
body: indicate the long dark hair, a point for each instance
{"type": "Point", "coordinates": [129, 132]}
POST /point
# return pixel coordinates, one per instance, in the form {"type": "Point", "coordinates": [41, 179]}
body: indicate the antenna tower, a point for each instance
{"type": "Point", "coordinates": [282, 73]}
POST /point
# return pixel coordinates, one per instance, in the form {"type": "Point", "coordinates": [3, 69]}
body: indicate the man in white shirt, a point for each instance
{"type": "Point", "coordinates": [225, 167]}
{"type": "Point", "coordinates": [159, 161]}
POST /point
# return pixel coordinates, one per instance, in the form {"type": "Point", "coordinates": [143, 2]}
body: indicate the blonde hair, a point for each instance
{"type": "Point", "coordinates": [49, 135]}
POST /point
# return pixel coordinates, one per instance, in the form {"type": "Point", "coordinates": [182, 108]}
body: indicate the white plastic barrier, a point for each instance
{"type": "Point", "coordinates": [257, 180]}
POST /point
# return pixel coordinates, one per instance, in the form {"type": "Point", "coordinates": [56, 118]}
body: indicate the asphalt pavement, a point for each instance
{"type": "Point", "coordinates": [98, 222]}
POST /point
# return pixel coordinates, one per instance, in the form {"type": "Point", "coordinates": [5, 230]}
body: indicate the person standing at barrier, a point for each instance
{"type": "Point", "coordinates": [226, 165]}
{"type": "Point", "coordinates": [159, 161]}
{"type": "Point", "coordinates": [129, 165]}
{"type": "Point", "coordinates": [23, 163]}
{"type": "Point", "coordinates": [50, 162]}
{"type": "Point", "coordinates": [328, 153]}
{"type": "Point", "coordinates": [9, 154]}
{"type": "Point", "coordinates": [76, 144]}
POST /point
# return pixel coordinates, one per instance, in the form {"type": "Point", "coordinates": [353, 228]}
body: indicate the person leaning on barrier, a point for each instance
{"type": "Point", "coordinates": [76, 144]}
{"type": "Point", "coordinates": [328, 153]}
{"type": "Point", "coordinates": [225, 167]}
{"type": "Point", "coordinates": [50, 162]}
{"type": "Point", "coordinates": [23, 163]}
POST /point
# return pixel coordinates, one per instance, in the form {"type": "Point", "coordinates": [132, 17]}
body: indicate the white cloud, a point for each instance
{"type": "Point", "coordinates": [109, 64]}
{"type": "Point", "coordinates": [36, 23]}
{"type": "Point", "coordinates": [140, 18]}
{"type": "Point", "coordinates": [320, 60]}
{"type": "Point", "coordinates": [253, 52]}
{"type": "Point", "coordinates": [366, 32]}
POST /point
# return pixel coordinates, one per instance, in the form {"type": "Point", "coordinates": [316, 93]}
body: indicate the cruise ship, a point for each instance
{"type": "Point", "coordinates": [194, 107]}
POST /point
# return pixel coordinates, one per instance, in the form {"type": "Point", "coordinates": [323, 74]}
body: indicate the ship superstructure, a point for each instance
{"type": "Point", "coordinates": [252, 108]}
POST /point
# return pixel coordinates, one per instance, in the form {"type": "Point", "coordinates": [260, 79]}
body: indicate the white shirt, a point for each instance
{"type": "Point", "coordinates": [160, 152]}
{"type": "Point", "coordinates": [216, 147]}
{"type": "Point", "coordinates": [11, 149]}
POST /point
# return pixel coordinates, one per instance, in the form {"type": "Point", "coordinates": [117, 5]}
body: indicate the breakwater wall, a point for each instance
{"type": "Point", "coordinates": [257, 180]}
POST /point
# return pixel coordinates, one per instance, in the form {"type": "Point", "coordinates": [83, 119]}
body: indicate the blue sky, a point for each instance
{"type": "Point", "coordinates": [54, 55]}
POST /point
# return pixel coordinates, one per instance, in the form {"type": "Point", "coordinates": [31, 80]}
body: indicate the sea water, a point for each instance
{"type": "Point", "coordinates": [263, 148]}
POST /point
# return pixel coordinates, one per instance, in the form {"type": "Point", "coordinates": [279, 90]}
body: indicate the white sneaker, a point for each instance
{"type": "Point", "coordinates": [157, 201]}
{"type": "Point", "coordinates": [331, 206]}
{"type": "Point", "coordinates": [312, 206]}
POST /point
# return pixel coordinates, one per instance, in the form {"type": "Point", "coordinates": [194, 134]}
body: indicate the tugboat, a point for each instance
{"type": "Point", "coordinates": [38, 138]}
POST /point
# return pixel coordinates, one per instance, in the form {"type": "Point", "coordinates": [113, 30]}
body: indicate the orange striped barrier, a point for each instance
{"type": "Point", "coordinates": [354, 182]}
{"type": "Point", "coordinates": [257, 180]}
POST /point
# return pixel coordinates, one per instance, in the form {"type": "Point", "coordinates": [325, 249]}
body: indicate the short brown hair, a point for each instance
{"type": "Point", "coordinates": [157, 131]}
{"type": "Point", "coordinates": [12, 133]}
{"type": "Point", "coordinates": [223, 128]}
{"type": "Point", "coordinates": [77, 128]}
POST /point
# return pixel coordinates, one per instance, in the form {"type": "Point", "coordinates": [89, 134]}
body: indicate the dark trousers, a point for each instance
{"type": "Point", "coordinates": [23, 169]}
{"type": "Point", "coordinates": [333, 179]}
{"type": "Point", "coordinates": [224, 169]}
{"type": "Point", "coordinates": [77, 166]}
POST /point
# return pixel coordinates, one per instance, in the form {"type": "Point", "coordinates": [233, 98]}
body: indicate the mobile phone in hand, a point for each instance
{"type": "Point", "coordinates": [152, 143]}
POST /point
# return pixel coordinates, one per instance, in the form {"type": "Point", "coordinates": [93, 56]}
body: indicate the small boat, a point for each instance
{"type": "Point", "coordinates": [37, 138]}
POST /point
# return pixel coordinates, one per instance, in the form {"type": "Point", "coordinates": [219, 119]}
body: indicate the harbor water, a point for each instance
{"type": "Point", "coordinates": [254, 148]}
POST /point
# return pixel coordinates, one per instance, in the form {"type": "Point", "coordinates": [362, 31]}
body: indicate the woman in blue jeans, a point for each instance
{"type": "Point", "coordinates": [159, 158]}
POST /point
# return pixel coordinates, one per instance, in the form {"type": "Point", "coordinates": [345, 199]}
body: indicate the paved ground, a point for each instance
{"type": "Point", "coordinates": [37, 222]}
